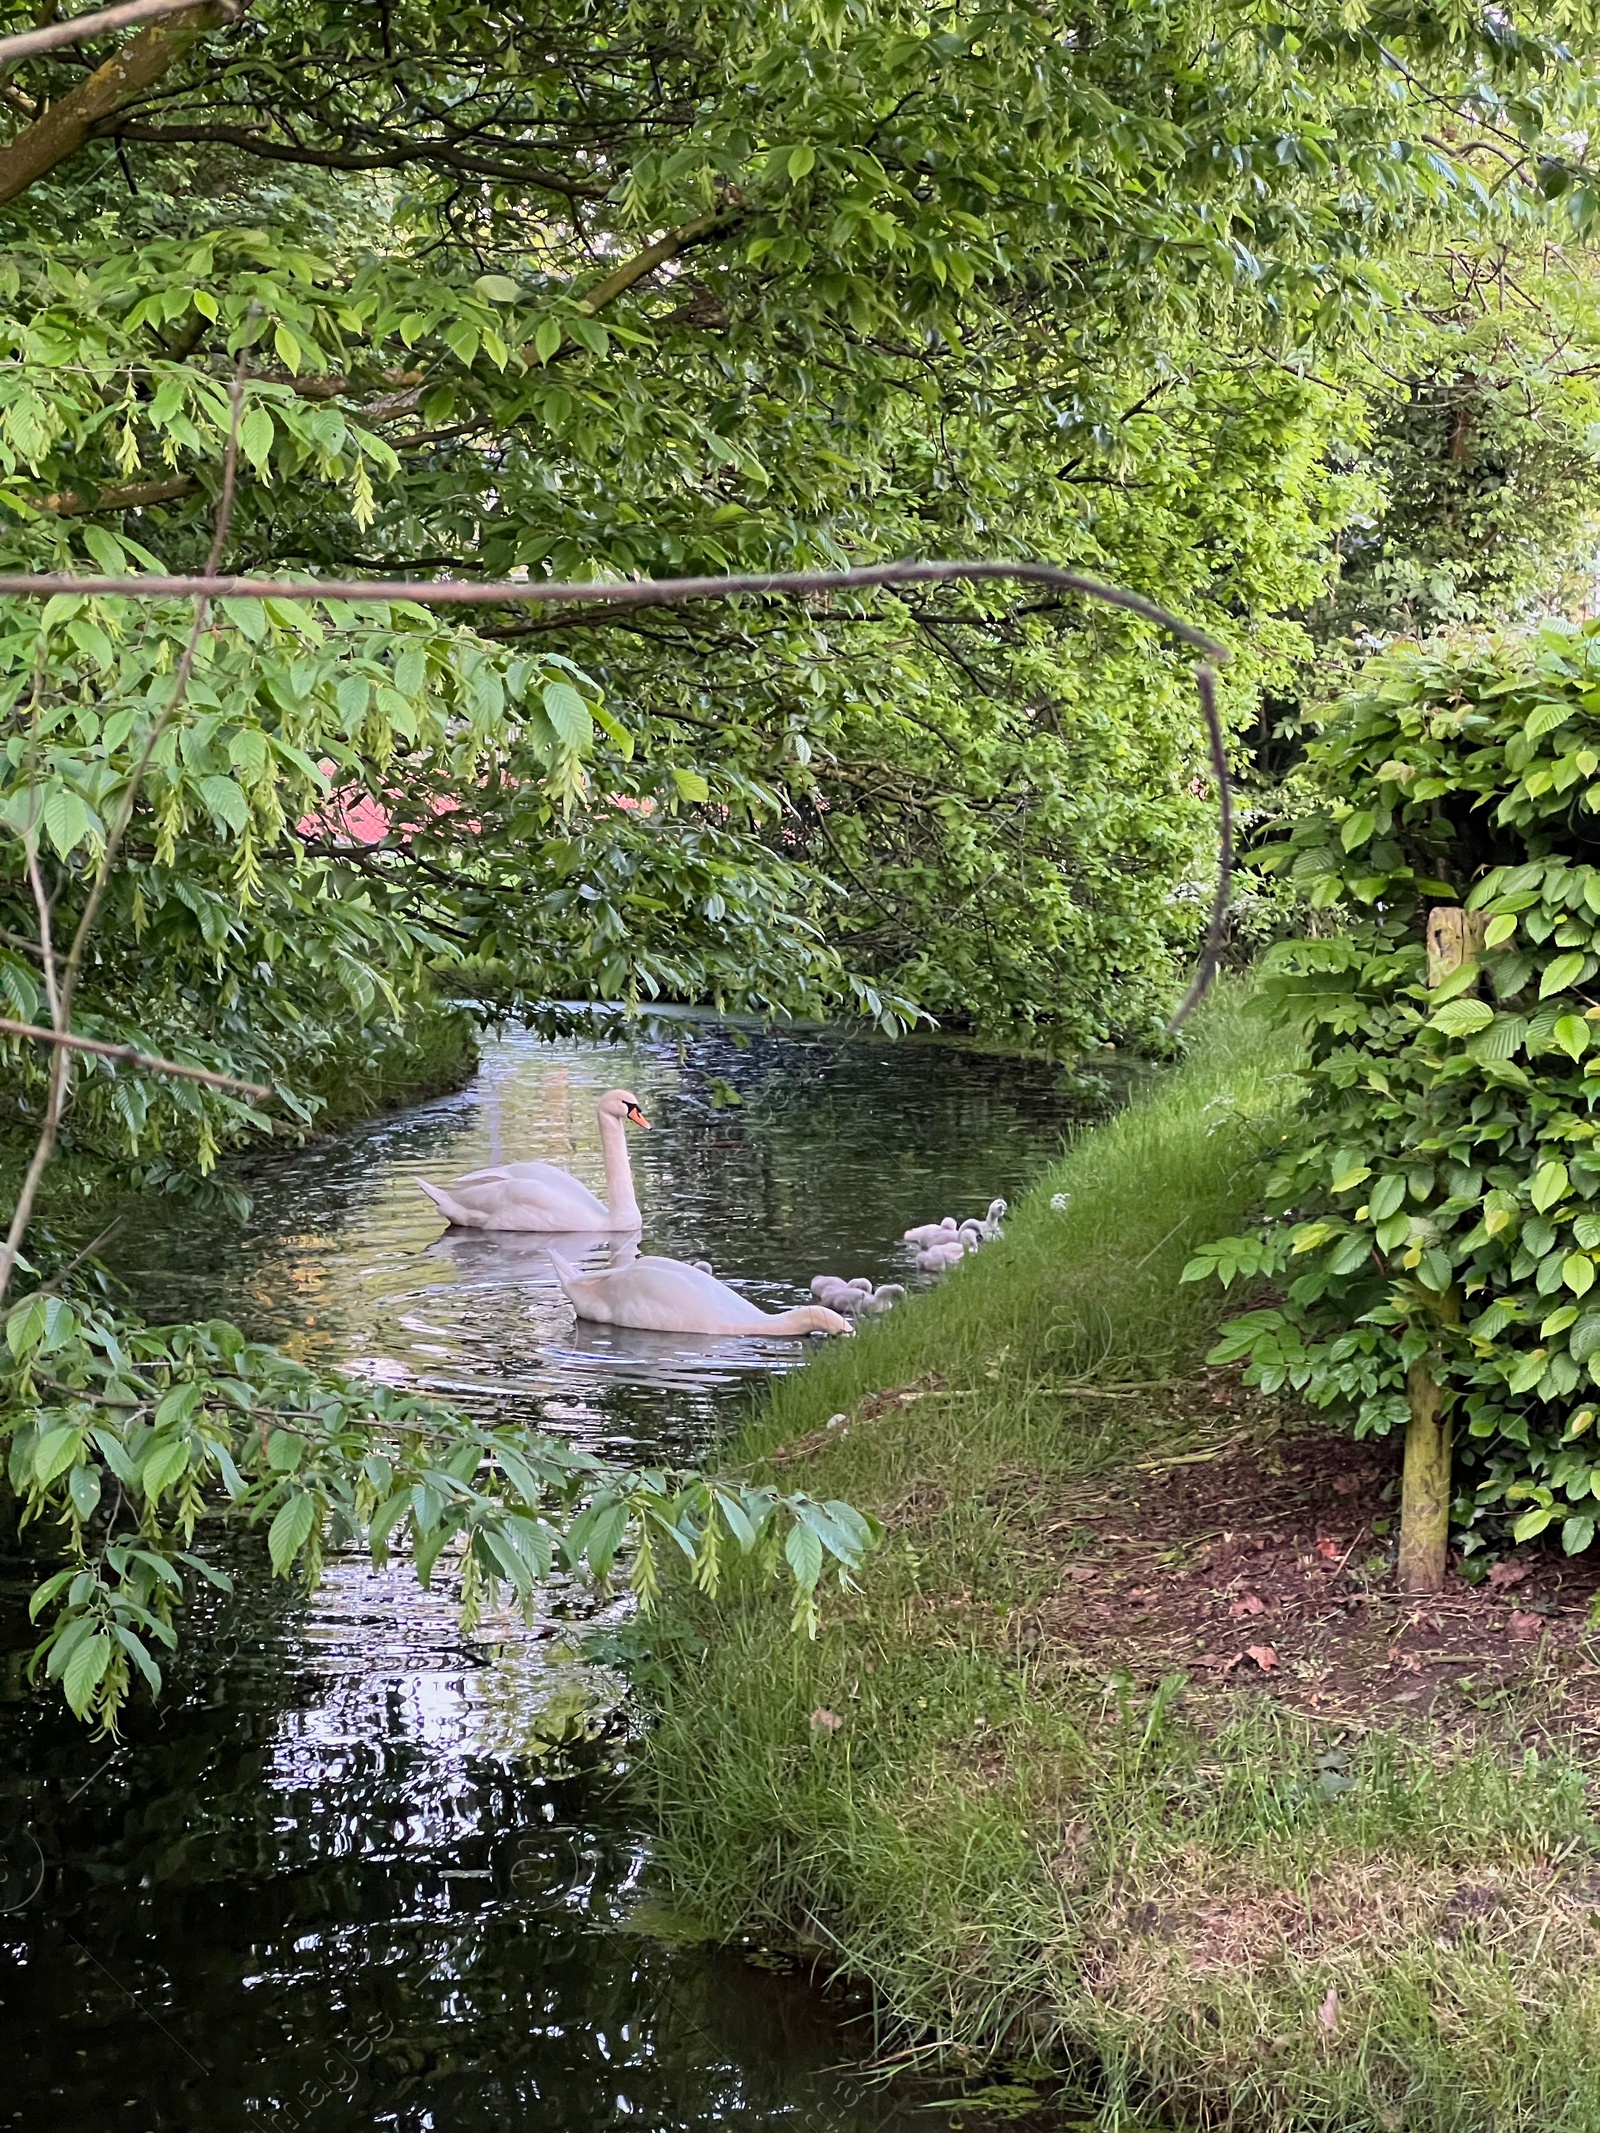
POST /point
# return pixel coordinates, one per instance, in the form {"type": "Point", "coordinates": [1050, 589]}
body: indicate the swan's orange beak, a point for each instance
{"type": "Point", "coordinates": [637, 1117]}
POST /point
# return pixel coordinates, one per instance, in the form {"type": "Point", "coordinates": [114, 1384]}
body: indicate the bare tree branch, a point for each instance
{"type": "Point", "coordinates": [131, 496]}
{"type": "Point", "coordinates": [1205, 681]}
{"type": "Point", "coordinates": [99, 24]}
{"type": "Point", "coordinates": [618, 592]}
{"type": "Point", "coordinates": [439, 155]}
{"type": "Point", "coordinates": [146, 1062]}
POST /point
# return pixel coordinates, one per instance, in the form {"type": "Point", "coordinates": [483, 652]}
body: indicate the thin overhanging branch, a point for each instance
{"type": "Point", "coordinates": [130, 1055]}
{"type": "Point", "coordinates": [98, 24]}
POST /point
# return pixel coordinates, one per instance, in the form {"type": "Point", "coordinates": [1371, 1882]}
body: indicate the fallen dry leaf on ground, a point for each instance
{"type": "Point", "coordinates": [1328, 2012]}
{"type": "Point", "coordinates": [1248, 1603]}
{"type": "Point", "coordinates": [825, 1721]}
{"type": "Point", "coordinates": [1526, 1625]}
{"type": "Point", "coordinates": [1263, 1655]}
{"type": "Point", "coordinates": [1503, 1574]}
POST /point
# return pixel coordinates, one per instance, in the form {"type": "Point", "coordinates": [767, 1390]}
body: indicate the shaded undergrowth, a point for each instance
{"type": "Point", "coordinates": [1206, 1905]}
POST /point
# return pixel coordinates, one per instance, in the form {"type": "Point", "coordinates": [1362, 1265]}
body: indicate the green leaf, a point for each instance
{"type": "Point", "coordinates": [165, 1460]}
{"type": "Point", "coordinates": [1577, 1271]}
{"type": "Point", "coordinates": [226, 802]}
{"type": "Point", "coordinates": [290, 1531]}
{"type": "Point", "coordinates": [497, 288]}
{"type": "Point", "coordinates": [801, 160]}
{"type": "Point", "coordinates": [55, 1452]}
{"type": "Point", "coordinates": [1566, 970]}
{"type": "Point", "coordinates": [803, 1553]}
{"type": "Point", "coordinates": [690, 784]}
{"type": "Point", "coordinates": [84, 1670]}
{"type": "Point", "coordinates": [1549, 1184]}
{"type": "Point", "coordinates": [1462, 1018]}
{"type": "Point", "coordinates": [83, 1486]}
{"type": "Point", "coordinates": [66, 821]}
{"type": "Point", "coordinates": [256, 433]}
{"type": "Point", "coordinates": [1532, 1523]}
{"type": "Point", "coordinates": [1351, 1252]}
{"type": "Point", "coordinates": [1571, 1033]}
{"type": "Point", "coordinates": [1388, 1196]}
{"type": "Point", "coordinates": [134, 1646]}
{"type": "Point", "coordinates": [568, 714]}
{"type": "Point", "coordinates": [1500, 929]}
{"type": "Point", "coordinates": [547, 339]}
{"type": "Point", "coordinates": [249, 753]}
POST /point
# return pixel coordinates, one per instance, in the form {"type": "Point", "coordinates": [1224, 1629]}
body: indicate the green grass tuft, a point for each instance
{"type": "Point", "coordinates": [1201, 1916]}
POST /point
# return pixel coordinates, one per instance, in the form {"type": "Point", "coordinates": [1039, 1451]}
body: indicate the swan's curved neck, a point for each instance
{"type": "Point", "coordinates": [621, 1201]}
{"type": "Point", "coordinates": [804, 1318]}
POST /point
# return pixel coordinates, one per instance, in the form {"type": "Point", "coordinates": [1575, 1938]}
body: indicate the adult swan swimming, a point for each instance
{"type": "Point", "coordinates": [539, 1196]}
{"type": "Point", "coordinates": [670, 1296]}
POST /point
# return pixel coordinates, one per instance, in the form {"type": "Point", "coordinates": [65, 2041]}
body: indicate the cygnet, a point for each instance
{"type": "Point", "coordinates": [835, 1294]}
{"type": "Point", "coordinates": [931, 1233]}
{"type": "Point", "coordinates": [883, 1300]}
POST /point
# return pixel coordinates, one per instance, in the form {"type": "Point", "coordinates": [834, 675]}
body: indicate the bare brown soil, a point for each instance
{"type": "Point", "coordinates": [1263, 1560]}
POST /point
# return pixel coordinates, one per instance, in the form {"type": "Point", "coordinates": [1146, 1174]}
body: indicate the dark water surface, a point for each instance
{"type": "Point", "coordinates": [360, 1871]}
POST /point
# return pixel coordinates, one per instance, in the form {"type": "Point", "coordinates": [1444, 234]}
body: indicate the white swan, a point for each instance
{"type": "Point", "coordinates": [993, 1221]}
{"type": "Point", "coordinates": [670, 1296]}
{"type": "Point", "coordinates": [928, 1233]}
{"type": "Point", "coordinates": [539, 1196]}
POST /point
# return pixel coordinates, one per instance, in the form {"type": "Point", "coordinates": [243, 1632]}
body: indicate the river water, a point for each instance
{"type": "Point", "coordinates": [359, 1871]}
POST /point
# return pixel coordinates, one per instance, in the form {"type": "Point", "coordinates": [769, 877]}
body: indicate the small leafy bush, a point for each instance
{"type": "Point", "coordinates": [1437, 1199]}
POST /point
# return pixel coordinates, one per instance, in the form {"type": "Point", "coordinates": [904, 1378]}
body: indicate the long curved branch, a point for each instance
{"type": "Point", "coordinates": [669, 592]}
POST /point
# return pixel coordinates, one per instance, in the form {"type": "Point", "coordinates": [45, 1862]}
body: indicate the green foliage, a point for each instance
{"type": "Point", "coordinates": [963, 286]}
{"type": "Point", "coordinates": [129, 1439]}
{"type": "Point", "coordinates": [1483, 459]}
{"type": "Point", "coordinates": [1438, 1196]}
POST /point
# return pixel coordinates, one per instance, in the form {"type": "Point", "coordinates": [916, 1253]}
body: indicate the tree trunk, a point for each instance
{"type": "Point", "coordinates": [62, 130]}
{"type": "Point", "coordinates": [1425, 1486]}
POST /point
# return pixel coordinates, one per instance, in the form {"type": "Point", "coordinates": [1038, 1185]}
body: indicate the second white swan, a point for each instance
{"type": "Point", "coordinates": [670, 1296]}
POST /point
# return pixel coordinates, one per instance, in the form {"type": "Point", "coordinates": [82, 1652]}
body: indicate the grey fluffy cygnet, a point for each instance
{"type": "Point", "coordinates": [883, 1300]}
{"type": "Point", "coordinates": [855, 1299]}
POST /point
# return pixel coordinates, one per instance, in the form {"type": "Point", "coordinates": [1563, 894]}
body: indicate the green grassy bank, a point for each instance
{"type": "Point", "coordinates": [1178, 1891]}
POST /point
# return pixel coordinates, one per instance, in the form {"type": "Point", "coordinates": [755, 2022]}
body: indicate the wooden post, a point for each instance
{"type": "Point", "coordinates": [1424, 1486]}
{"type": "Point", "coordinates": [1454, 937]}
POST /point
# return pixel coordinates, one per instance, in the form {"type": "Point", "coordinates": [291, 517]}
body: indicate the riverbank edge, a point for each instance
{"type": "Point", "coordinates": [1200, 1903]}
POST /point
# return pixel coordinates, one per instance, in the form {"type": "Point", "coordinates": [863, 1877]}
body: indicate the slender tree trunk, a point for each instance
{"type": "Point", "coordinates": [1455, 937]}
{"type": "Point", "coordinates": [1425, 1486]}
